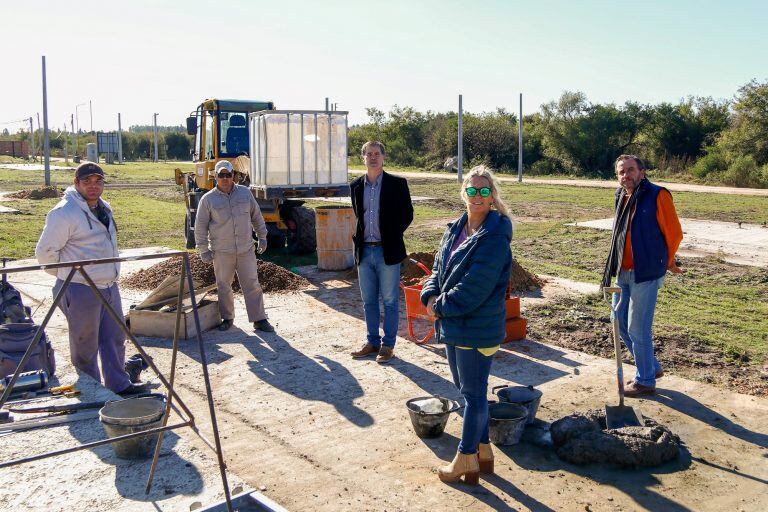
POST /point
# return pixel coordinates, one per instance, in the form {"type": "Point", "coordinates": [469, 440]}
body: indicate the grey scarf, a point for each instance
{"type": "Point", "coordinates": [620, 226]}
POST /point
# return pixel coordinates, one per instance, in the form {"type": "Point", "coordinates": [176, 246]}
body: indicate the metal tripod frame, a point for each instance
{"type": "Point", "coordinates": [188, 419]}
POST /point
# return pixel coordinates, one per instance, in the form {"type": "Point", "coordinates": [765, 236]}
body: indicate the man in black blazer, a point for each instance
{"type": "Point", "coordinates": [382, 205]}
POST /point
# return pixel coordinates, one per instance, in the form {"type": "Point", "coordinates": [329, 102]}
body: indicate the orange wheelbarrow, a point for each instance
{"type": "Point", "coordinates": [414, 309]}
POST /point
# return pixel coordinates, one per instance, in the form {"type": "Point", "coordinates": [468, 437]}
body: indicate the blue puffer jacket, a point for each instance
{"type": "Point", "coordinates": [470, 285]}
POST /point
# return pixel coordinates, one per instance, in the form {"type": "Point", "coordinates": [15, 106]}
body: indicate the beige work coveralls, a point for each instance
{"type": "Point", "coordinates": [223, 227]}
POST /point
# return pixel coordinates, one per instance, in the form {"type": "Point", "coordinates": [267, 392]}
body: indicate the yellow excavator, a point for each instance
{"type": "Point", "coordinates": [284, 156]}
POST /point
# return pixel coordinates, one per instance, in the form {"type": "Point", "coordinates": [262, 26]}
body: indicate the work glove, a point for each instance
{"type": "Point", "coordinates": [206, 256]}
{"type": "Point", "coordinates": [262, 246]}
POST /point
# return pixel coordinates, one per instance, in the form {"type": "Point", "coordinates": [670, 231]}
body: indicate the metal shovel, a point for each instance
{"type": "Point", "coordinates": [617, 416]}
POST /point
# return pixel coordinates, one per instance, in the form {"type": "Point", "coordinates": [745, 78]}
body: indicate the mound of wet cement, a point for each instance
{"type": "Point", "coordinates": [273, 278]}
{"type": "Point", "coordinates": [583, 438]}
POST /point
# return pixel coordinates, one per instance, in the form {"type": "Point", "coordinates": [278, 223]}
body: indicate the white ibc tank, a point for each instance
{"type": "Point", "coordinates": [298, 148]}
{"type": "Point", "coordinates": [90, 152]}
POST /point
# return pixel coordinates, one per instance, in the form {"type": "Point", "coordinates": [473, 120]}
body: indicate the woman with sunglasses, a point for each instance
{"type": "Point", "coordinates": [466, 293]}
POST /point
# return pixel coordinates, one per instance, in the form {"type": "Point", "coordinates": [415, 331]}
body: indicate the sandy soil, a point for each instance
{"type": "Point", "coordinates": [740, 243]}
{"type": "Point", "coordinates": [316, 430]}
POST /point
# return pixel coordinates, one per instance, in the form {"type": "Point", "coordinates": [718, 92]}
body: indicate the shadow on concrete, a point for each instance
{"type": "Point", "coordinates": [174, 475]}
{"type": "Point", "coordinates": [637, 483]}
{"type": "Point", "coordinates": [695, 409]}
{"type": "Point", "coordinates": [317, 378]}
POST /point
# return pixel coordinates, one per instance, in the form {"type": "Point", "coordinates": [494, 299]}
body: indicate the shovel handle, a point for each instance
{"type": "Point", "coordinates": [616, 344]}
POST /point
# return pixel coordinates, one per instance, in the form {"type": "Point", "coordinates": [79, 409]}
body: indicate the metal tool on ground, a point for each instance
{"type": "Point", "coordinates": [617, 416]}
{"type": "Point", "coordinates": [53, 419]}
{"type": "Point", "coordinates": [27, 381]}
{"type": "Point", "coordinates": [78, 406]}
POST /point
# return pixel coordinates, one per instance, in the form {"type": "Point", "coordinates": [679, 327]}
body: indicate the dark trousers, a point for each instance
{"type": "Point", "coordinates": [94, 334]}
{"type": "Point", "coordinates": [470, 370]}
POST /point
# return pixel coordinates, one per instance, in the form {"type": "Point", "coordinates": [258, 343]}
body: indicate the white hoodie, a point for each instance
{"type": "Point", "coordinates": [72, 233]}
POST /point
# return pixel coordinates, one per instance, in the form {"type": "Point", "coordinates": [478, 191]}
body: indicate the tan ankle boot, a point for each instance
{"type": "Point", "coordinates": [485, 458]}
{"type": "Point", "coordinates": [462, 465]}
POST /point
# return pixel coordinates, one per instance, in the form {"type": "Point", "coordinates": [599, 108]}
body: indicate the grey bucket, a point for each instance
{"type": "Point", "coordinates": [131, 415]}
{"type": "Point", "coordinates": [429, 425]}
{"type": "Point", "coordinates": [506, 422]}
{"type": "Point", "coordinates": [527, 396]}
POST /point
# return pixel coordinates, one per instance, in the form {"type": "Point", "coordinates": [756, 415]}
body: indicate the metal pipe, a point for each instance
{"type": "Point", "coordinates": [317, 141]}
{"type": "Point", "coordinates": [121, 322]}
{"type": "Point", "coordinates": [31, 268]}
{"type": "Point", "coordinates": [520, 142]}
{"type": "Point", "coordinates": [93, 444]}
{"type": "Point", "coordinates": [171, 379]}
{"type": "Point", "coordinates": [209, 390]}
{"type": "Point", "coordinates": [302, 149]}
{"type": "Point", "coordinates": [330, 148]}
{"type": "Point", "coordinates": [36, 340]}
{"type": "Point", "coordinates": [288, 143]}
{"type": "Point", "coordinates": [46, 141]}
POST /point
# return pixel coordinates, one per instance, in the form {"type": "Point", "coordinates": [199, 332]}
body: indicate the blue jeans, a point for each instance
{"type": "Point", "coordinates": [470, 370]}
{"type": "Point", "coordinates": [377, 278]}
{"type": "Point", "coordinates": [635, 316]}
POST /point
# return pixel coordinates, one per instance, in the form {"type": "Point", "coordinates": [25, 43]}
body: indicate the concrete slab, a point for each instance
{"type": "Point", "coordinates": [313, 429]}
{"type": "Point", "coordinates": [95, 479]}
{"type": "Point", "coordinates": [740, 243]}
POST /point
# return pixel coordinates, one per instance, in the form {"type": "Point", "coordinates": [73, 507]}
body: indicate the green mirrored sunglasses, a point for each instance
{"type": "Point", "coordinates": [472, 191]}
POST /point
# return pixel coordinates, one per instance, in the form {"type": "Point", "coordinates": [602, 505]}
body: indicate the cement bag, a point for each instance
{"type": "Point", "coordinates": [15, 338]}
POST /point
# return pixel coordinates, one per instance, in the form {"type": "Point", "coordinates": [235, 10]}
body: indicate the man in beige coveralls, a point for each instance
{"type": "Point", "coordinates": [225, 219]}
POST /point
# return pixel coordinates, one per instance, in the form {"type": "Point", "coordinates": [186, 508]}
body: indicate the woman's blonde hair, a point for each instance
{"type": "Point", "coordinates": [485, 172]}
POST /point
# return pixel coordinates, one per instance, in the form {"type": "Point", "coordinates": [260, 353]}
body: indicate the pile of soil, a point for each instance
{"type": "Point", "coordinates": [410, 273]}
{"type": "Point", "coordinates": [37, 193]}
{"type": "Point", "coordinates": [273, 278]}
{"type": "Point", "coordinates": [583, 438]}
{"type": "Point", "coordinates": [520, 280]}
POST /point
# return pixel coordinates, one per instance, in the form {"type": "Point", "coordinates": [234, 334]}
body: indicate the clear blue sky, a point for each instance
{"type": "Point", "coordinates": [141, 57]}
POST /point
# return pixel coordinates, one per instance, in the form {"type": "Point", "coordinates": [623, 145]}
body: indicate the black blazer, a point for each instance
{"type": "Point", "coordinates": [395, 215]}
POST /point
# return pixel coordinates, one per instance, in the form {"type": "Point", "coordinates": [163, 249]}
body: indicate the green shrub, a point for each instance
{"type": "Point", "coordinates": [744, 172]}
{"type": "Point", "coordinates": [713, 161]}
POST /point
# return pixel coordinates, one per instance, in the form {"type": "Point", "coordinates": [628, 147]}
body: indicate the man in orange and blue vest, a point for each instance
{"type": "Point", "coordinates": [646, 236]}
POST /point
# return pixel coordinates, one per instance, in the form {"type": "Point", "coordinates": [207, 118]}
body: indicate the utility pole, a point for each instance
{"type": "Point", "coordinates": [90, 109]}
{"type": "Point", "coordinates": [326, 104]}
{"type": "Point", "coordinates": [154, 121]}
{"type": "Point", "coordinates": [119, 140]}
{"type": "Point", "coordinates": [46, 142]}
{"type": "Point", "coordinates": [460, 163]}
{"type": "Point", "coordinates": [72, 125]}
{"type": "Point", "coordinates": [77, 122]}
{"type": "Point", "coordinates": [31, 137]}
{"type": "Point", "coordinates": [520, 142]}
{"type": "Point", "coordinates": [66, 152]}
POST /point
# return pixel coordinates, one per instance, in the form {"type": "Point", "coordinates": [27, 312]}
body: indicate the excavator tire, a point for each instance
{"type": "Point", "coordinates": [303, 239]}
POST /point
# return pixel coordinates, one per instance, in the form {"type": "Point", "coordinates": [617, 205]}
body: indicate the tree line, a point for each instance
{"type": "Point", "coordinates": [714, 140]}
{"type": "Point", "coordinates": [173, 143]}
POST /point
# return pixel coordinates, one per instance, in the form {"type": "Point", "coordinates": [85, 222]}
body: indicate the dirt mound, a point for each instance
{"type": "Point", "coordinates": [520, 280]}
{"type": "Point", "coordinates": [410, 273]}
{"type": "Point", "coordinates": [272, 278]}
{"type": "Point", "coordinates": [37, 193]}
{"type": "Point", "coordinates": [583, 438]}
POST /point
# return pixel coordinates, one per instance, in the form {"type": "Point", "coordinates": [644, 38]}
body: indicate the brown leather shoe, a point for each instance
{"type": "Point", "coordinates": [385, 354]}
{"type": "Point", "coordinates": [367, 350]}
{"type": "Point", "coordinates": [659, 374]}
{"type": "Point", "coordinates": [634, 389]}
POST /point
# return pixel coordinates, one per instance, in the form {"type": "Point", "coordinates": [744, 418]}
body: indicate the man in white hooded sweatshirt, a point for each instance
{"type": "Point", "coordinates": [81, 227]}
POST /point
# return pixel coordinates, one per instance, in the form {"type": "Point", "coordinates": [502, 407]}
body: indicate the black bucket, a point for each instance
{"type": "Point", "coordinates": [527, 396]}
{"type": "Point", "coordinates": [428, 425]}
{"type": "Point", "coordinates": [506, 422]}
